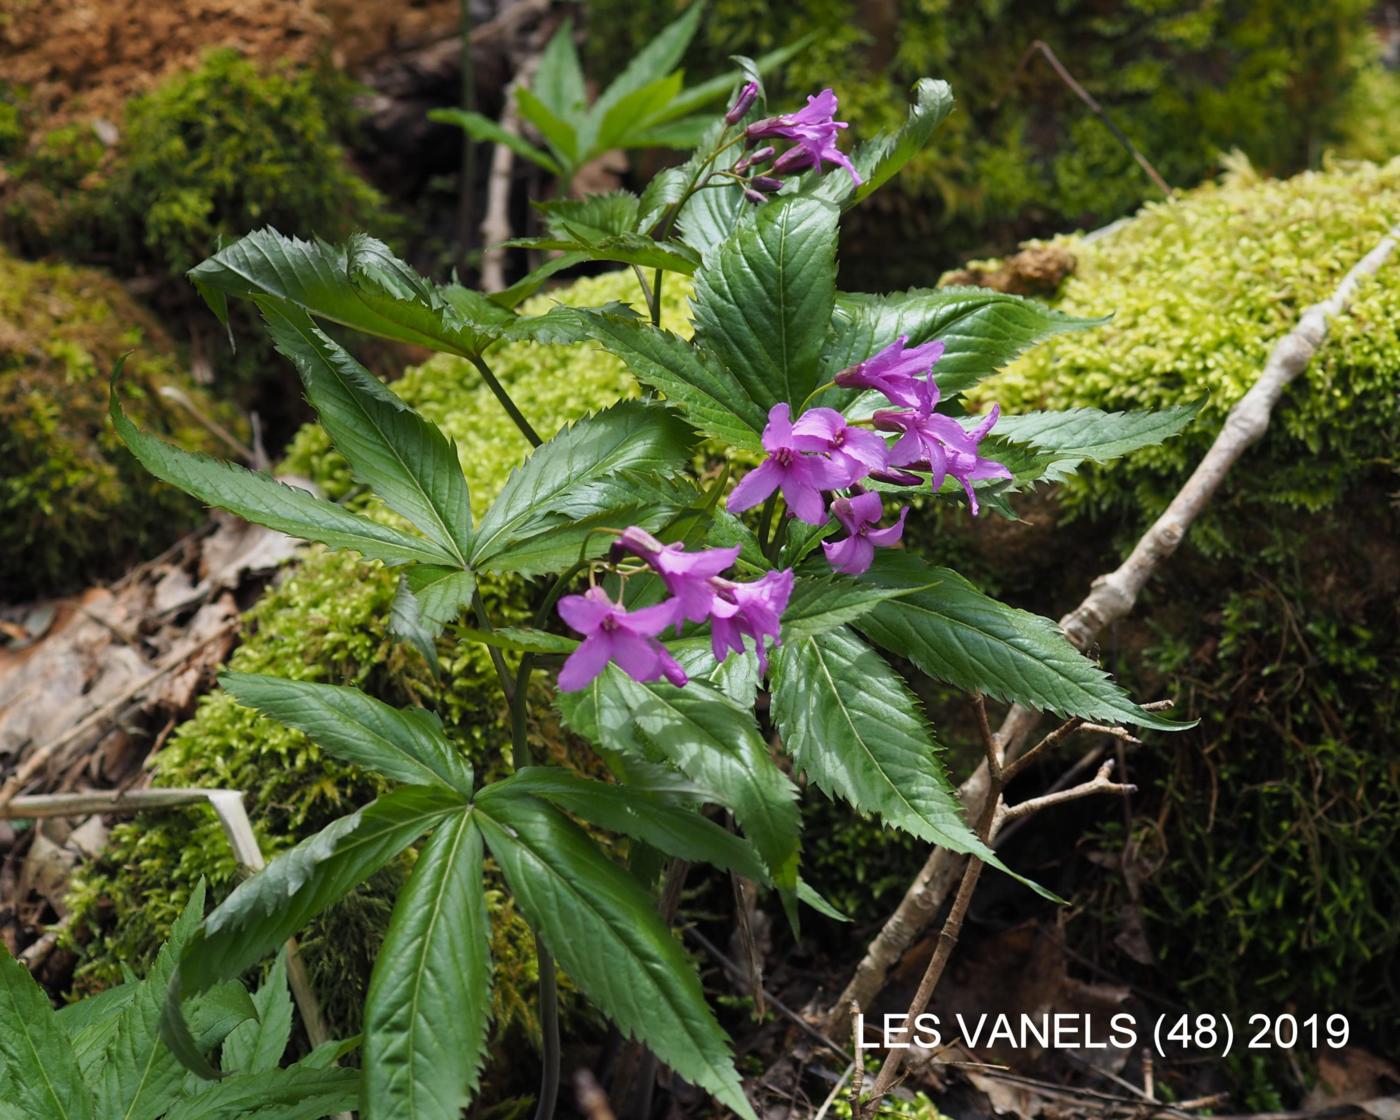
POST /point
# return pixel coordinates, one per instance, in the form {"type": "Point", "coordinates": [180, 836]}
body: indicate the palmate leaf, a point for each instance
{"type": "Point", "coordinates": [603, 928]}
{"type": "Point", "coordinates": [265, 501]}
{"type": "Point", "coordinates": [764, 297]}
{"type": "Point", "coordinates": [427, 598]}
{"type": "Point", "coordinates": [853, 725]}
{"type": "Point", "coordinates": [568, 475]}
{"type": "Point", "coordinates": [707, 737]}
{"type": "Point", "coordinates": [481, 128]}
{"type": "Point", "coordinates": [361, 285]}
{"type": "Point", "coordinates": [257, 1045]}
{"type": "Point", "coordinates": [262, 912]}
{"type": "Point", "coordinates": [429, 999]}
{"type": "Point", "coordinates": [558, 81]}
{"type": "Point", "coordinates": [39, 1074]}
{"type": "Point", "coordinates": [404, 744]}
{"type": "Point", "coordinates": [403, 458]}
{"type": "Point", "coordinates": [653, 63]}
{"type": "Point", "coordinates": [565, 138]}
{"type": "Point", "coordinates": [711, 398]}
{"type": "Point", "coordinates": [297, 1093]}
{"type": "Point", "coordinates": [678, 831]}
{"type": "Point", "coordinates": [953, 632]}
{"type": "Point", "coordinates": [628, 118]}
{"type": "Point", "coordinates": [982, 330]}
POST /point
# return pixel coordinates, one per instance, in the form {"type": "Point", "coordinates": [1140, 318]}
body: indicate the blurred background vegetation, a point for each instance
{"type": "Point", "coordinates": [1259, 863]}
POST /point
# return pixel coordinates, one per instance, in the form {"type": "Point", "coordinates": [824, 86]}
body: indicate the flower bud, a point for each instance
{"type": "Point", "coordinates": [747, 96]}
{"type": "Point", "coordinates": [754, 159]}
{"type": "Point", "coordinates": [792, 161]}
{"type": "Point", "coordinates": [753, 196]}
{"type": "Point", "coordinates": [767, 183]}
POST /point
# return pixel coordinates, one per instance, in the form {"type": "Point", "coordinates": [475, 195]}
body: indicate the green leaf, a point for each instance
{"type": "Point", "coordinates": [522, 639]}
{"type": "Point", "coordinates": [566, 477]}
{"type": "Point", "coordinates": [805, 893]}
{"type": "Point", "coordinates": [276, 1094]}
{"type": "Point", "coordinates": [764, 298]}
{"type": "Point", "coordinates": [698, 96]}
{"type": "Point", "coordinates": [38, 1071]}
{"type": "Point", "coordinates": [627, 119]}
{"type": "Point", "coordinates": [822, 603]}
{"type": "Point", "coordinates": [684, 133]}
{"type": "Point", "coordinates": [626, 248]}
{"type": "Point", "coordinates": [257, 1046]}
{"type": "Point", "coordinates": [852, 724]}
{"type": "Point", "coordinates": [982, 330]}
{"type": "Point", "coordinates": [562, 136]}
{"type": "Point", "coordinates": [711, 398]}
{"type": "Point", "coordinates": [558, 80]}
{"type": "Point", "coordinates": [404, 744]}
{"type": "Point", "coordinates": [428, 597]}
{"type": "Point", "coordinates": [673, 829]}
{"type": "Point", "coordinates": [93, 1011]}
{"type": "Point", "coordinates": [265, 501]}
{"type": "Point", "coordinates": [402, 457]}
{"type": "Point", "coordinates": [486, 130]}
{"type": "Point", "coordinates": [1090, 433]}
{"type": "Point", "coordinates": [880, 159]}
{"type": "Point", "coordinates": [604, 930]}
{"type": "Point", "coordinates": [711, 740]}
{"type": "Point", "coordinates": [429, 999]}
{"type": "Point", "coordinates": [652, 63]}
{"type": "Point", "coordinates": [264, 911]}
{"type": "Point", "coordinates": [360, 285]}
{"type": "Point", "coordinates": [953, 632]}
{"type": "Point", "coordinates": [596, 215]}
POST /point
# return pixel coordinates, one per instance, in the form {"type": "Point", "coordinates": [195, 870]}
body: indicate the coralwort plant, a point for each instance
{"type": "Point", "coordinates": [714, 562]}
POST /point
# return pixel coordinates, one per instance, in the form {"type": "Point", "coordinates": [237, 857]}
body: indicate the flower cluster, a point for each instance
{"type": "Point", "coordinates": [698, 593]}
{"type": "Point", "coordinates": [822, 451]}
{"type": "Point", "coordinates": [811, 130]}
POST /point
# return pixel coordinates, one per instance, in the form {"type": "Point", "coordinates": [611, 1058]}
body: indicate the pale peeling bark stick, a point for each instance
{"type": "Point", "coordinates": [495, 222]}
{"type": "Point", "coordinates": [1111, 597]}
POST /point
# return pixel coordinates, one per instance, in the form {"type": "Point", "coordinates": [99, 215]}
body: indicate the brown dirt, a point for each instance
{"type": "Point", "coordinates": [84, 58]}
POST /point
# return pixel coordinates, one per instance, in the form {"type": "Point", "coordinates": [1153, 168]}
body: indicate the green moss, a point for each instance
{"type": "Point", "coordinates": [208, 155]}
{"type": "Point", "coordinates": [328, 621]}
{"type": "Point", "coordinates": [74, 505]}
{"type": "Point", "coordinates": [1183, 81]}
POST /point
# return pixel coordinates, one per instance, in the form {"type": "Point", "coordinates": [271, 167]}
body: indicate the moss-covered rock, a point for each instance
{"type": "Point", "coordinates": [328, 621]}
{"type": "Point", "coordinates": [1276, 821]}
{"type": "Point", "coordinates": [74, 505]}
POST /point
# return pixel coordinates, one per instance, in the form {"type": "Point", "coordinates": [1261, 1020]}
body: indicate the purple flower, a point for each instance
{"type": "Point", "coordinates": [855, 449]}
{"type": "Point", "coordinates": [687, 575]}
{"type": "Point", "coordinates": [812, 129]}
{"type": "Point", "coordinates": [611, 633]}
{"type": "Point", "coordinates": [755, 609]}
{"type": "Point", "coordinates": [940, 442]}
{"type": "Point", "coordinates": [895, 371]}
{"type": "Point", "coordinates": [855, 554]}
{"type": "Point", "coordinates": [801, 477]}
{"type": "Point", "coordinates": [747, 96]}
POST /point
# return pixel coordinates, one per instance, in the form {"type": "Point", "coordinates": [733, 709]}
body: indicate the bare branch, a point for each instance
{"type": "Point", "coordinates": [1099, 784]}
{"type": "Point", "coordinates": [1059, 735]}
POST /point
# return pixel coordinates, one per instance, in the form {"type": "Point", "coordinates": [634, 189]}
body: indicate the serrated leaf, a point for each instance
{"type": "Point", "coordinates": [678, 831]}
{"type": "Point", "coordinates": [277, 1094]}
{"type": "Point", "coordinates": [403, 458]}
{"type": "Point", "coordinates": [265, 910]}
{"type": "Point", "coordinates": [265, 501]}
{"type": "Point", "coordinates": [953, 632]}
{"type": "Point", "coordinates": [604, 930]}
{"type": "Point", "coordinates": [624, 248]}
{"type": "Point", "coordinates": [429, 1000]}
{"type": "Point", "coordinates": [1090, 433]}
{"type": "Point", "coordinates": [711, 740]}
{"type": "Point", "coordinates": [257, 1045]}
{"type": "Point", "coordinates": [38, 1071]}
{"type": "Point", "coordinates": [855, 728]}
{"type": "Point", "coordinates": [407, 745]}
{"type": "Point", "coordinates": [563, 137]}
{"type": "Point", "coordinates": [427, 598]}
{"type": "Point", "coordinates": [360, 285]}
{"type": "Point", "coordinates": [982, 330]}
{"type": "Point", "coordinates": [558, 80]}
{"type": "Point", "coordinates": [486, 130]}
{"type": "Point", "coordinates": [764, 297]}
{"type": "Point", "coordinates": [822, 603]}
{"type": "Point", "coordinates": [712, 399]}
{"type": "Point", "coordinates": [597, 214]}
{"type": "Point", "coordinates": [569, 475]}
{"type": "Point", "coordinates": [626, 119]}
{"type": "Point", "coordinates": [93, 1011]}
{"type": "Point", "coordinates": [653, 62]}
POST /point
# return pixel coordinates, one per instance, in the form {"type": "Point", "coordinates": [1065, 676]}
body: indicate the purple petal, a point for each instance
{"type": "Point", "coordinates": [803, 499]}
{"type": "Point", "coordinates": [754, 487]}
{"type": "Point", "coordinates": [638, 657]}
{"type": "Point", "coordinates": [585, 663]}
{"type": "Point", "coordinates": [853, 556]}
{"type": "Point", "coordinates": [585, 613]}
{"type": "Point", "coordinates": [649, 621]}
{"type": "Point", "coordinates": [884, 538]}
{"type": "Point", "coordinates": [777, 433]}
{"type": "Point", "coordinates": [817, 428]}
{"type": "Point", "coordinates": [867, 508]}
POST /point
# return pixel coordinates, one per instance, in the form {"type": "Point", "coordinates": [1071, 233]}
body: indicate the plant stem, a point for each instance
{"type": "Point", "coordinates": [765, 523]}
{"type": "Point", "coordinates": [501, 395]}
{"type": "Point", "coordinates": [656, 298]}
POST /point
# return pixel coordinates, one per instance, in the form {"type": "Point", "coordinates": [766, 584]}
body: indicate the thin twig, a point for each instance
{"type": "Point", "coordinates": [1099, 784]}
{"type": "Point", "coordinates": [1066, 729]}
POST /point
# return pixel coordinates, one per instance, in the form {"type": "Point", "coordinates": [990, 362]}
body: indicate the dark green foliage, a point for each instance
{"type": "Point", "coordinates": [74, 504]}
{"type": "Point", "coordinates": [208, 155]}
{"type": "Point", "coordinates": [1184, 81]}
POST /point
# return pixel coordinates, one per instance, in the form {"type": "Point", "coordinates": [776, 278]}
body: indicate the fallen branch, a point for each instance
{"type": "Point", "coordinates": [495, 221]}
{"type": "Point", "coordinates": [1111, 597]}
